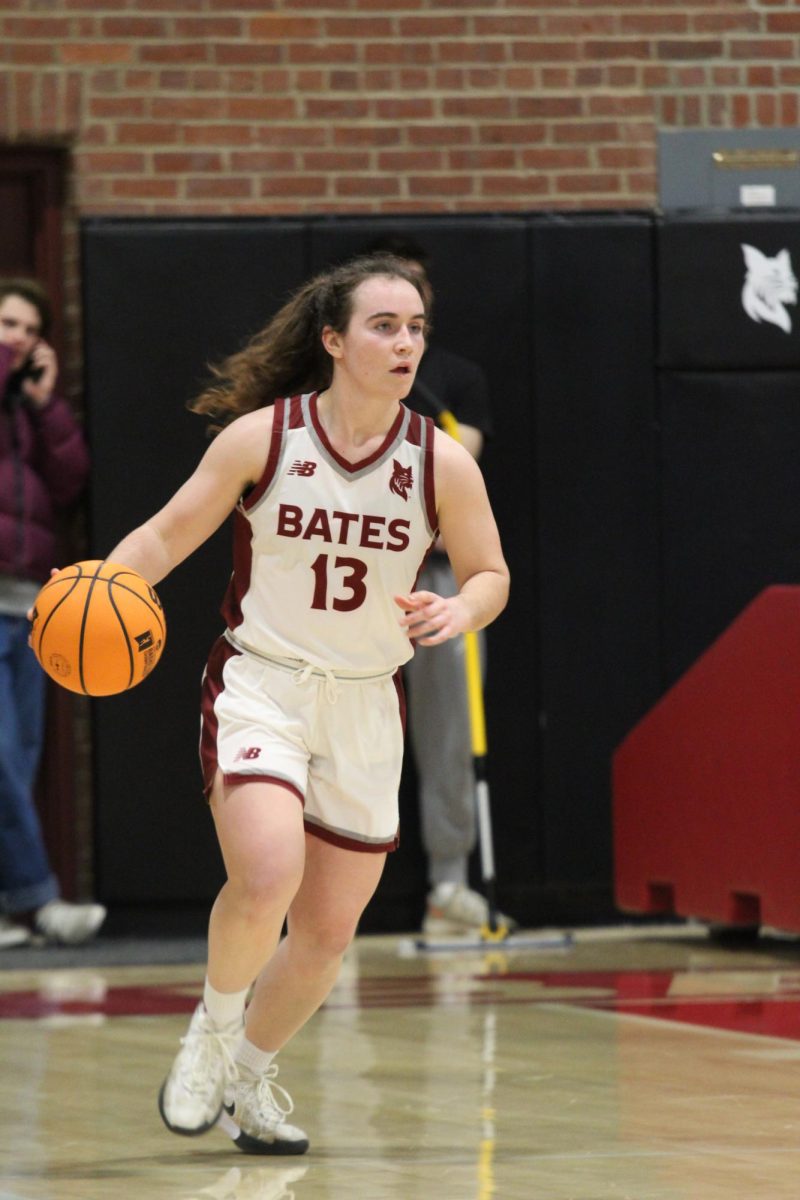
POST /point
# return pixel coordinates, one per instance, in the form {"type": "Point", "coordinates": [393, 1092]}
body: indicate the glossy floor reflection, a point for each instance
{"type": "Point", "coordinates": [657, 1065]}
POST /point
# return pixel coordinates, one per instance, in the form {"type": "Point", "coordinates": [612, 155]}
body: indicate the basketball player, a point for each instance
{"type": "Point", "coordinates": [339, 493]}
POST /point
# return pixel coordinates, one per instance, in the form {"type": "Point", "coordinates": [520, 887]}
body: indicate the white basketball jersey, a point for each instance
{"type": "Point", "coordinates": [322, 545]}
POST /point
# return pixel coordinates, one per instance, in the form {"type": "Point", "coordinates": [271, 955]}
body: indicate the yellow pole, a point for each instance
{"type": "Point", "coordinates": [492, 931]}
{"type": "Point", "coordinates": [477, 721]}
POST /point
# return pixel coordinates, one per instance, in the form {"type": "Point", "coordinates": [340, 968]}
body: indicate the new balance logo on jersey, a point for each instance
{"type": "Point", "coordinates": [402, 480]}
{"type": "Point", "coordinates": [248, 753]}
{"type": "Point", "coordinates": [302, 467]}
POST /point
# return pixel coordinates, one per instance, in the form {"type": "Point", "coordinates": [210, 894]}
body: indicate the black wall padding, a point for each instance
{"type": "Point", "coordinates": [591, 324]}
{"type": "Point", "coordinates": [730, 500]}
{"type": "Point", "coordinates": [704, 296]}
{"type": "Point", "coordinates": [479, 274]}
{"type": "Point", "coordinates": [161, 299]}
{"type": "Point", "coordinates": [559, 311]}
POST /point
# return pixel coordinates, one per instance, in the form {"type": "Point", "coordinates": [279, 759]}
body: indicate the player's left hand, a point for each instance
{"type": "Point", "coordinates": [431, 619]}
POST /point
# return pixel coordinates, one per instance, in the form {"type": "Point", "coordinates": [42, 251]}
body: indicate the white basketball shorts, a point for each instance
{"type": "Point", "coordinates": [337, 743]}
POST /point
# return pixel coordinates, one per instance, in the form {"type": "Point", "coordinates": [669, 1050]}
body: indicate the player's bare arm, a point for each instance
{"type": "Point", "coordinates": [233, 462]}
{"type": "Point", "coordinates": [473, 545]}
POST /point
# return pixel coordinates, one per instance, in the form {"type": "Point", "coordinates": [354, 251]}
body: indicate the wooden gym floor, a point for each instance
{"type": "Point", "coordinates": [649, 1064]}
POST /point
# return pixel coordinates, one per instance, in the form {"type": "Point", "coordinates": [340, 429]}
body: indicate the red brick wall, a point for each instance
{"type": "Point", "coordinates": [300, 106]}
{"type": "Point", "coordinates": [291, 106]}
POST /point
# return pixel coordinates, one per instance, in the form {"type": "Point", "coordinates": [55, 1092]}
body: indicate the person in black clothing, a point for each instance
{"type": "Point", "coordinates": [438, 711]}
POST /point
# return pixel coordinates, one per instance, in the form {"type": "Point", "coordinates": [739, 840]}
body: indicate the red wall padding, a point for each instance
{"type": "Point", "coordinates": [706, 788]}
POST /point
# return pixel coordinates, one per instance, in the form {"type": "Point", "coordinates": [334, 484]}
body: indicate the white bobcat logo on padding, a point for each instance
{"type": "Point", "coordinates": [769, 284]}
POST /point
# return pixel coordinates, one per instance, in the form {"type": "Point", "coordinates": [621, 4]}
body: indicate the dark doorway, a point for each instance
{"type": "Point", "coordinates": [31, 244]}
{"type": "Point", "coordinates": [31, 220]}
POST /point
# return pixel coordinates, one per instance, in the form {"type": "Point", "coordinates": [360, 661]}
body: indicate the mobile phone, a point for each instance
{"type": "Point", "coordinates": [33, 372]}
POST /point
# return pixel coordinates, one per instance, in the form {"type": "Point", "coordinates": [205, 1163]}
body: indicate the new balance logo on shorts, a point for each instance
{"type": "Point", "coordinates": [301, 467]}
{"type": "Point", "coordinates": [247, 752]}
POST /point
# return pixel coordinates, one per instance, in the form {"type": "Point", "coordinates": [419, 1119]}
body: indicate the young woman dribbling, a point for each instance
{"type": "Point", "coordinates": [338, 492]}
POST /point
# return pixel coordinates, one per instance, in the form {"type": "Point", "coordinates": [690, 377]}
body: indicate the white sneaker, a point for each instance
{"type": "Point", "coordinates": [70, 924]}
{"type": "Point", "coordinates": [11, 934]}
{"type": "Point", "coordinates": [190, 1100]}
{"type": "Point", "coordinates": [254, 1112]}
{"type": "Point", "coordinates": [453, 908]}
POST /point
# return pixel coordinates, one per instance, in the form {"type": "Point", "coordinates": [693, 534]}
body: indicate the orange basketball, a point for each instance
{"type": "Point", "coordinates": [98, 628]}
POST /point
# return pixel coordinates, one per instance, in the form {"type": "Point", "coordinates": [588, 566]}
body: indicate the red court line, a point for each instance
{"type": "Point", "coordinates": [771, 1010]}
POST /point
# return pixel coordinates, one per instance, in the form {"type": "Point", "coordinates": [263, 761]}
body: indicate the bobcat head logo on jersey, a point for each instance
{"type": "Point", "coordinates": [402, 480]}
{"type": "Point", "coordinates": [769, 284]}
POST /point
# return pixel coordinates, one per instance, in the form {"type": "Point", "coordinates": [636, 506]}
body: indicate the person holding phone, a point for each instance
{"type": "Point", "coordinates": [44, 464]}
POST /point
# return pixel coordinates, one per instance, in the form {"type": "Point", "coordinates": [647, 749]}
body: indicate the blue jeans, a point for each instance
{"type": "Point", "coordinates": [26, 880]}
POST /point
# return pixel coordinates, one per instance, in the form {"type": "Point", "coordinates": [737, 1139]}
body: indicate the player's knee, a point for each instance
{"type": "Point", "coordinates": [260, 889]}
{"type": "Point", "coordinates": [335, 938]}
{"type": "Point", "coordinates": [328, 937]}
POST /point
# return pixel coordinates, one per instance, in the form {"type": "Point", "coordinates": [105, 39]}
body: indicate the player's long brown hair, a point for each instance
{"type": "Point", "coordinates": [287, 357]}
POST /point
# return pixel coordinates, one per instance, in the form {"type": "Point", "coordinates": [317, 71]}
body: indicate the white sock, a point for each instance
{"type": "Point", "coordinates": [251, 1056]}
{"type": "Point", "coordinates": [224, 1008]}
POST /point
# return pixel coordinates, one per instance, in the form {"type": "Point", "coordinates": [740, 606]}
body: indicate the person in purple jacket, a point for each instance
{"type": "Point", "coordinates": [43, 467]}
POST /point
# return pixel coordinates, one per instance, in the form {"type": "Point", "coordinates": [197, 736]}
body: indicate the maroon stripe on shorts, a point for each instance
{"type": "Point", "coordinates": [399, 687]}
{"type": "Point", "coordinates": [232, 779]}
{"type": "Point", "coordinates": [346, 843]}
{"type": "Point", "coordinates": [213, 684]}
